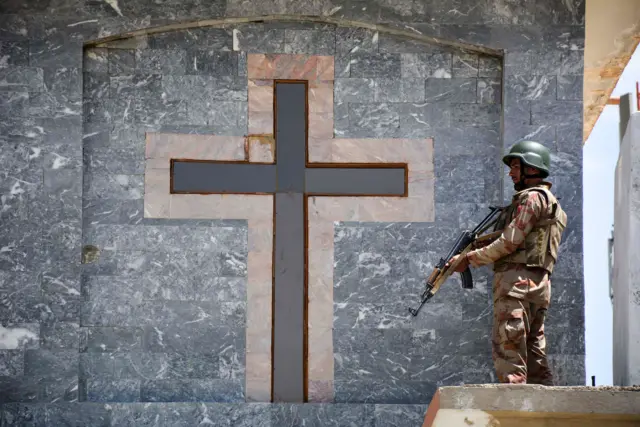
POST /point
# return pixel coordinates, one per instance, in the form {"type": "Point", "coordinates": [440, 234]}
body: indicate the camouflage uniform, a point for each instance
{"type": "Point", "coordinates": [521, 286]}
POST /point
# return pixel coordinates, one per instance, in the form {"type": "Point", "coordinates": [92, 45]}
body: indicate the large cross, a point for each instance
{"type": "Point", "coordinates": [245, 177]}
{"type": "Point", "coordinates": [291, 179]}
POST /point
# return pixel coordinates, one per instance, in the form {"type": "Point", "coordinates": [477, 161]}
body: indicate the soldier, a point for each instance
{"type": "Point", "coordinates": [523, 258]}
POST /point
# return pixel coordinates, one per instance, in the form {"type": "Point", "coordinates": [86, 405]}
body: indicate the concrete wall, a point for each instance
{"type": "Point", "coordinates": [534, 406]}
{"type": "Point", "coordinates": [626, 264]}
{"type": "Point", "coordinates": [612, 34]}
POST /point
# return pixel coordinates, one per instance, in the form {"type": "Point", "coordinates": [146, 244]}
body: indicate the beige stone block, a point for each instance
{"type": "Point", "coordinates": [420, 155]}
{"type": "Point", "coordinates": [333, 208]}
{"type": "Point", "coordinates": [384, 209]}
{"type": "Point", "coordinates": [258, 365]}
{"type": "Point", "coordinates": [417, 153]}
{"type": "Point", "coordinates": [157, 199]}
{"type": "Point", "coordinates": [260, 271]}
{"type": "Point", "coordinates": [259, 66]}
{"type": "Point", "coordinates": [260, 95]}
{"type": "Point", "coordinates": [261, 148]}
{"type": "Point", "coordinates": [321, 84]}
{"type": "Point", "coordinates": [321, 125]}
{"type": "Point", "coordinates": [321, 99]}
{"type": "Point", "coordinates": [320, 309]}
{"type": "Point", "coordinates": [258, 390]}
{"type": "Point", "coordinates": [158, 163]}
{"type": "Point", "coordinates": [260, 122]}
{"type": "Point", "coordinates": [220, 206]}
{"type": "Point", "coordinates": [157, 206]}
{"type": "Point", "coordinates": [320, 391]}
{"type": "Point", "coordinates": [259, 340]}
{"type": "Point", "coordinates": [260, 235]}
{"type": "Point", "coordinates": [421, 185]}
{"type": "Point", "coordinates": [320, 235]}
{"type": "Point", "coordinates": [325, 68]}
{"type": "Point", "coordinates": [288, 66]}
{"type": "Point", "coordinates": [296, 67]}
{"type": "Point", "coordinates": [320, 270]}
{"type": "Point", "coordinates": [259, 309]}
{"type": "Point", "coordinates": [320, 354]}
{"type": "Point", "coordinates": [319, 150]}
{"type": "Point", "coordinates": [196, 147]}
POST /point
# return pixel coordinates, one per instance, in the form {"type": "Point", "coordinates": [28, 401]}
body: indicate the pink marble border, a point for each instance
{"type": "Point", "coordinates": [258, 209]}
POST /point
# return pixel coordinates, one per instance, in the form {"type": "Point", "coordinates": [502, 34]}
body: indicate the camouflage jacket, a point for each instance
{"type": "Point", "coordinates": [517, 282]}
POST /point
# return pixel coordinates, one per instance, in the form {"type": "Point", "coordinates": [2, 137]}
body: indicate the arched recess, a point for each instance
{"type": "Point", "coordinates": [324, 389]}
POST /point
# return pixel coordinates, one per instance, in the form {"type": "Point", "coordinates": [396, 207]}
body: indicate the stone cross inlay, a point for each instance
{"type": "Point", "coordinates": [291, 179]}
{"type": "Point", "coordinates": [235, 158]}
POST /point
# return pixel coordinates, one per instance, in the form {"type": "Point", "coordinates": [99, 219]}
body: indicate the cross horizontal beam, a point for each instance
{"type": "Point", "coordinates": [204, 177]}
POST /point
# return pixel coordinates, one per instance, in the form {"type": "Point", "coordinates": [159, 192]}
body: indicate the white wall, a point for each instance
{"type": "Point", "coordinates": [626, 266]}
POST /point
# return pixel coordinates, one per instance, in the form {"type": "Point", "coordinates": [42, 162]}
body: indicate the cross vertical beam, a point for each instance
{"type": "Point", "coordinates": [289, 291]}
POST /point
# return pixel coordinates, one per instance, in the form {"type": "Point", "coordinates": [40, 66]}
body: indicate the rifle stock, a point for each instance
{"type": "Point", "coordinates": [467, 241]}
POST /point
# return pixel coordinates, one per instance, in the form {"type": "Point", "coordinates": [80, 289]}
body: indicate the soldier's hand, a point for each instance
{"type": "Point", "coordinates": [464, 263]}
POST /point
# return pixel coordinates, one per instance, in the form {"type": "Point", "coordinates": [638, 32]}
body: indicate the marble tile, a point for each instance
{"type": "Point", "coordinates": [381, 65]}
{"type": "Point", "coordinates": [21, 302]}
{"type": "Point", "coordinates": [378, 391]}
{"type": "Point", "coordinates": [256, 39]}
{"type": "Point", "coordinates": [317, 415]}
{"type": "Point", "coordinates": [111, 339]}
{"type": "Point", "coordinates": [204, 88]}
{"type": "Point", "coordinates": [60, 335]}
{"type": "Point", "coordinates": [14, 79]}
{"type": "Point", "coordinates": [489, 91]}
{"type": "Point", "coordinates": [399, 90]}
{"type": "Point", "coordinates": [458, 90]}
{"type": "Point", "coordinates": [436, 64]}
{"type": "Point", "coordinates": [195, 390]}
{"type": "Point", "coordinates": [465, 65]}
{"type": "Point", "coordinates": [355, 89]}
{"type": "Point", "coordinates": [109, 390]}
{"type": "Point", "coordinates": [121, 61]}
{"type": "Point", "coordinates": [161, 61]}
{"type": "Point", "coordinates": [157, 200]}
{"type": "Point", "coordinates": [19, 336]}
{"type": "Point", "coordinates": [211, 62]}
{"type": "Point", "coordinates": [313, 42]}
{"type": "Point", "coordinates": [352, 40]}
{"type": "Point", "coordinates": [11, 363]}
{"type": "Point", "coordinates": [14, 53]}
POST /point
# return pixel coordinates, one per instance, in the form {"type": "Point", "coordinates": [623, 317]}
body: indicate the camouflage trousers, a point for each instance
{"type": "Point", "coordinates": [518, 342]}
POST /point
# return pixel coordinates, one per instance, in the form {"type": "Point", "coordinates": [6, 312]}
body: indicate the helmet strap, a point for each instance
{"type": "Point", "coordinates": [520, 185]}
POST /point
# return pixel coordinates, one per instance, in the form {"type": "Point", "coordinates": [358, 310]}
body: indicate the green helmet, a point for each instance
{"type": "Point", "coordinates": [531, 154]}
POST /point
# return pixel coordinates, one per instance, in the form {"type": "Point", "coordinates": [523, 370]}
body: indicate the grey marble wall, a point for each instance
{"type": "Point", "coordinates": [115, 329]}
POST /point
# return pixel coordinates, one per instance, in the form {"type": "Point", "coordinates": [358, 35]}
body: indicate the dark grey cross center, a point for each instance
{"type": "Point", "coordinates": [291, 179]}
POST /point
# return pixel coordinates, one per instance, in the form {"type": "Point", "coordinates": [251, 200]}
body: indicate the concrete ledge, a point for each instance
{"type": "Point", "coordinates": [494, 405]}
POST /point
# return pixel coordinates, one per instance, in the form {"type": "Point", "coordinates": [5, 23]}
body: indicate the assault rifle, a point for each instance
{"type": "Point", "coordinates": [467, 240]}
